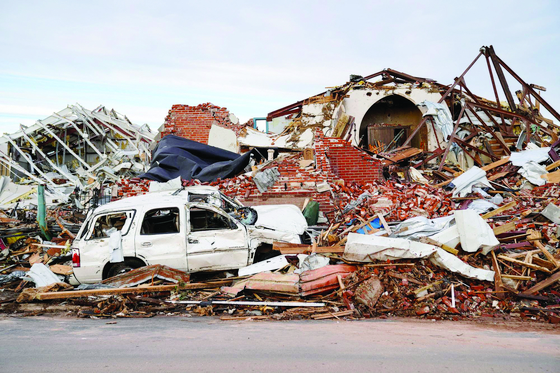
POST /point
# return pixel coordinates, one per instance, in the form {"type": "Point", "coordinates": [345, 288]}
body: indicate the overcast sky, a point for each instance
{"type": "Point", "coordinates": [253, 57]}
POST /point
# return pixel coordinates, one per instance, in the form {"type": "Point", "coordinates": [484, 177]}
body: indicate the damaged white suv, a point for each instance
{"type": "Point", "coordinates": [192, 229]}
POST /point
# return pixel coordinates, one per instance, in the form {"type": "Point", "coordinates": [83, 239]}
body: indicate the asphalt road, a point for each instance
{"type": "Point", "coordinates": [177, 344]}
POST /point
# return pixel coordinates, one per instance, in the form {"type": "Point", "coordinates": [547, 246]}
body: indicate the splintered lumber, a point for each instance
{"type": "Point", "coordinates": [504, 228]}
{"type": "Point", "coordinates": [431, 241]}
{"type": "Point", "coordinates": [493, 165]}
{"type": "Point", "coordinates": [516, 277]}
{"type": "Point", "coordinates": [529, 265]}
{"type": "Point", "coordinates": [248, 303]}
{"type": "Point", "coordinates": [136, 290]}
{"type": "Point", "coordinates": [487, 168]}
{"type": "Point", "coordinates": [546, 253]}
{"type": "Point", "coordinates": [543, 263]}
{"type": "Point", "coordinates": [552, 166]}
{"type": "Point", "coordinates": [405, 277]}
{"type": "Point", "coordinates": [384, 223]}
{"type": "Point", "coordinates": [498, 284]}
{"type": "Point", "coordinates": [499, 210]}
{"type": "Point", "coordinates": [553, 177]}
{"type": "Point", "coordinates": [332, 315]}
{"type": "Point", "coordinates": [292, 248]}
{"type": "Point", "coordinates": [543, 284]}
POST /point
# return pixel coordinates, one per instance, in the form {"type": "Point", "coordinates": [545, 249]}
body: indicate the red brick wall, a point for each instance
{"type": "Point", "coordinates": [194, 122]}
{"type": "Point", "coordinates": [346, 161]}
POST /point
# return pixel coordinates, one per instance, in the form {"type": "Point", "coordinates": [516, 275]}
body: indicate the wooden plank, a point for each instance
{"type": "Point", "coordinates": [552, 166]}
{"type": "Point", "coordinates": [543, 284]}
{"type": "Point", "coordinates": [516, 277]}
{"type": "Point", "coordinates": [498, 163]}
{"type": "Point", "coordinates": [533, 266]}
{"type": "Point", "coordinates": [431, 241]}
{"type": "Point", "coordinates": [498, 284]}
{"type": "Point", "coordinates": [332, 315]}
{"type": "Point", "coordinates": [384, 223]}
{"type": "Point", "coordinates": [553, 177]}
{"type": "Point", "coordinates": [504, 228]}
{"type": "Point", "coordinates": [543, 263]}
{"type": "Point", "coordinates": [499, 210]}
{"type": "Point", "coordinates": [549, 256]}
{"type": "Point", "coordinates": [136, 290]}
{"type": "Point", "coordinates": [497, 176]}
{"type": "Point", "coordinates": [292, 248]}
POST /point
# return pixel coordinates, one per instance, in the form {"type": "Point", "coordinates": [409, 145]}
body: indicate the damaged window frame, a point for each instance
{"type": "Point", "coordinates": [88, 231]}
{"type": "Point", "coordinates": [171, 209]}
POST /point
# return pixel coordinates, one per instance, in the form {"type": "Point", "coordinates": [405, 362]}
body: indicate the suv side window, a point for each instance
{"type": "Point", "coordinates": [207, 220]}
{"type": "Point", "coordinates": [121, 221]}
{"type": "Point", "coordinates": [161, 221]}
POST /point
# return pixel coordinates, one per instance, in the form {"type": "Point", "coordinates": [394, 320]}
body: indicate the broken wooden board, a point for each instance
{"type": "Point", "coordinates": [543, 284]}
{"type": "Point", "coordinates": [292, 248]}
{"type": "Point", "coordinates": [499, 210]}
{"type": "Point", "coordinates": [504, 228]}
{"type": "Point", "coordinates": [116, 291]}
{"type": "Point", "coordinates": [60, 269]}
{"type": "Point", "coordinates": [532, 266]}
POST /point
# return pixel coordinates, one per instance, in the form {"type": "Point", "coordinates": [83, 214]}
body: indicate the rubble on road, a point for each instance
{"type": "Point", "coordinates": [452, 214]}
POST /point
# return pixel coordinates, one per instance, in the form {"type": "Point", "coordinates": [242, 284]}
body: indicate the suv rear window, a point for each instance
{"type": "Point", "coordinates": [161, 221]}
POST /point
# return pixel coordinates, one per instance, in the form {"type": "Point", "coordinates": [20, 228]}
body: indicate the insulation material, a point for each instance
{"type": "Point", "coordinates": [41, 275]}
{"type": "Point", "coordinates": [450, 262]}
{"type": "Point", "coordinates": [360, 248]}
{"type": "Point", "coordinates": [533, 172]}
{"type": "Point", "coordinates": [465, 182]}
{"type": "Point", "coordinates": [475, 233]}
{"type": "Point", "coordinates": [533, 155]}
{"type": "Point", "coordinates": [271, 264]}
{"type": "Point", "coordinates": [442, 117]}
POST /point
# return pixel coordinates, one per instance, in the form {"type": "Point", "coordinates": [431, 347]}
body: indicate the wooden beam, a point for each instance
{"type": "Point", "coordinates": [504, 228]}
{"type": "Point", "coordinates": [292, 248]}
{"type": "Point", "coordinates": [499, 210]}
{"type": "Point", "coordinates": [552, 166]}
{"type": "Point", "coordinates": [543, 284]}
{"type": "Point", "coordinates": [533, 266]}
{"type": "Point", "coordinates": [498, 284]}
{"type": "Point", "coordinates": [549, 256]}
{"type": "Point", "coordinates": [136, 290]}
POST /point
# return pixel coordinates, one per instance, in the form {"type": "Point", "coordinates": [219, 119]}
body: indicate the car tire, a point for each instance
{"type": "Point", "coordinates": [118, 269]}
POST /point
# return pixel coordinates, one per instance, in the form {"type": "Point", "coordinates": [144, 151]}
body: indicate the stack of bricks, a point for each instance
{"type": "Point", "coordinates": [337, 156]}
{"type": "Point", "coordinates": [194, 122]}
{"type": "Point", "coordinates": [294, 186]}
{"type": "Point", "coordinates": [129, 188]}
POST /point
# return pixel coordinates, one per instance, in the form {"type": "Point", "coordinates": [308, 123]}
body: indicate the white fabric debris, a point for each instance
{"type": "Point", "coordinates": [271, 264]}
{"type": "Point", "coordinates": [480, 206]}
{"type": "Point", "coordinates": [284, 218]}
{"type": "Point", "coordinates": [41, 275]}
{"type": "Point", "coordinates": [421, 226]}
{"type": "Point", "coordinates": [367, 248]}
{"type": "Point", "coordinates": [310, 262]}
{"type": "Point", "coordinates": [448, 237]}
{"type": "Point", "coordinates": [533, 171]}
{"type": "Point", "coordinates": [450, 262]}
{"type": "Point", "coordinates": [417, 176]}
{"type": "Point", "coordinates": [442, 117]}
{"type": "Point", "coordinates": [536, 155]}
{"type": "Point", "coordinates": [474, 232]}
{"type": "Point", "coordinates": [465, 182]}
{"type": "Point", "coordinates": [173, 184]}
{"type": "Point", "coordinates": [362, 248]}
{"type": "Point", "coordinates": [115, 245]}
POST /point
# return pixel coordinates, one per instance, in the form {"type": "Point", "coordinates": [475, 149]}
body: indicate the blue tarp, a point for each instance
{"type": "Point", "coordinates": [176, 156]}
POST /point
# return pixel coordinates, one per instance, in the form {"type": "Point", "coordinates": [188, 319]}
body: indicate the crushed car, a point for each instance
{"type": "Point", "coordinates": [192, 229]}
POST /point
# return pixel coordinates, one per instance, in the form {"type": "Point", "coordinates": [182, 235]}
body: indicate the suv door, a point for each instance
{"type": "Point", "coordinates": [161, 237]}
{"type": "Point", "coordinates": [215, 241]}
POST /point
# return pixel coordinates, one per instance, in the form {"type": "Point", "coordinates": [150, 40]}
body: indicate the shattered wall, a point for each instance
{"type": "Point", "coordinates": [205, 123]}
{"type": "Point", "coordinates": [339, 157]}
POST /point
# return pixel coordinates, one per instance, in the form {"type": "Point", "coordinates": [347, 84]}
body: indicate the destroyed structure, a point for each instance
{"type": "Point", "coordinates": [421, 199]}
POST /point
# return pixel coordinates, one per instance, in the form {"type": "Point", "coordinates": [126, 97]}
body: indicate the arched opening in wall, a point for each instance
{"type": "Point", "coordinates": [388, 123]}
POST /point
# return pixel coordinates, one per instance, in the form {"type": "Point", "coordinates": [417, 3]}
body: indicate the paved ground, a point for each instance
{"type": "Point", "coordinates": [177, 344]}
